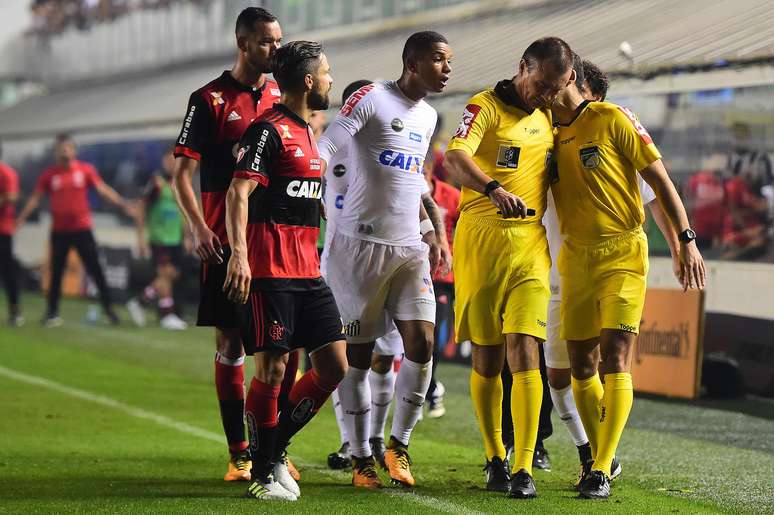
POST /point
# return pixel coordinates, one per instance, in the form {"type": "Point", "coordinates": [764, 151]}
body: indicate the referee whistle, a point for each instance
{"type": "Point", "coordinates": [530, 212]}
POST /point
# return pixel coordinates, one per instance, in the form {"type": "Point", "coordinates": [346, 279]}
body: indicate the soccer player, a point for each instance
{"type": "Point", "coordinates": [9, 194]}
{"type": "Point", "coordinates": [594, 88]}
{"type": "Point", "coordinates": [159, 215]}
{"type": "Point", "coordinates": [448, 198]}
{"type": "Point", "coordinates": [378, 266]}
{"type": "Point", "coordinates": [381, 377]}
{"type": "Point", "coordinates": [499, 154]}
{"type": "Point", "coordinates": [272, 220]}
{"type": "Point", "coordinates": [603, 263]}
{"type": "Point", "coordinates": [217, 116]}
{"type": "Point", "coordinates": [67, 183]}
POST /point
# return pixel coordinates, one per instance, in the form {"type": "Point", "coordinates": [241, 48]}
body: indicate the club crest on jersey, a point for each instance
{"type": "Point", "coordinates": [508, 157]}
{"type": "Point", "coordinates": [217, 98]}
{"type": "Point", "coordinates": [396, 124]}
{"type": "Point", "coordinates": [468, 117]}
{"type": "Point", "coordinates": [403, 161]}
{"type": "Point", "coordinates": [304, 189]}
{"type": "Point", "coordinates": [339, 170]}
{"type": "Point", "coordinates": [589, 157]}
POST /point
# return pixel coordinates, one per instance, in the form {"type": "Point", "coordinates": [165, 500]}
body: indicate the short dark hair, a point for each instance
{"type": "Point", "coordinates": [577, 65]}
{"type": "Point", "coordinates": [250, 16]}
{"type": "Point", "coordinates": [352, 87]}
{"type": "Point", "coordinates": [293, 61]}
{"type": "Point", "coordinates": [551, 51]}
{"type": "Point", "coordinates": [64, 137]}
{"type": "Point", "coordinates": [596, 79]}
{"type": "Point", "coordinates": [421, 42]}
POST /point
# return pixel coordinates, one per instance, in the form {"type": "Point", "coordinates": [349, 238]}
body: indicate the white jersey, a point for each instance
{"type": "Point", "coordinates": [555, 238]}
{"type": "Point", "coordinates": [336, 181]}
{"type": "Point", "coordinates": [390, 135]}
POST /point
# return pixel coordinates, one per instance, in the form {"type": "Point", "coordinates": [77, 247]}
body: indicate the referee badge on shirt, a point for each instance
{"type": "Point", "coordinates": [508, 157]}
{"type": "Point", "coordinates": [589, 157]}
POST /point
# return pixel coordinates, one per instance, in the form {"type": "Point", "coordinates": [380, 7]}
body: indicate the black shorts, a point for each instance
{"type": "Point", "coordinates": [167, 255]}
{"type": "Point", "coordinates": [287, 320]}
{"type": "Point", "coordinates": [214, 307]}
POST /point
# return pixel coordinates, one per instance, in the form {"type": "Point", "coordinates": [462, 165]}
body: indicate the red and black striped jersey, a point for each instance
{"type": "Point", "coordinates": [217, 116]}
{"type": "Point", "coordinates": [278, 151]}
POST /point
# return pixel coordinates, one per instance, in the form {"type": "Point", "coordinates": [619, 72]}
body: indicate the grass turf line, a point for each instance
{"type": "Point", "coordinates": [67, 454]}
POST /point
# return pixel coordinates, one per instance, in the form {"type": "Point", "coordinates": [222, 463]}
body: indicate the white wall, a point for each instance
{"type": "Point", "coordinates": [735, 288]}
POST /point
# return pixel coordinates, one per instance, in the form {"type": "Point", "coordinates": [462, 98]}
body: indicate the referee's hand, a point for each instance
{"type": "Point", "coordinates": [508, 204]}
{"type": "Point", "coordinates": [692, 271]}
{"type": "Point", "coordinates": [237, 284]}
{"type": "Point", "coordinates": [207, 245]}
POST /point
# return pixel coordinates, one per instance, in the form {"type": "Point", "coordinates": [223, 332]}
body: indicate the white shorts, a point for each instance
{"type": "Point", "coordinates": [555, 348]}
{"type": "Point", "coordinates": [391, 344]}
{"type": "Point", "coordinates": [370, 280]}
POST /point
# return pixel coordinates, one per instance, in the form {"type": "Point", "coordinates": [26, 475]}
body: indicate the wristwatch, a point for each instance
{"type": "Point", "coordinates": [687, 236]}
{"type": "Point", "coordinates": [490, 187]}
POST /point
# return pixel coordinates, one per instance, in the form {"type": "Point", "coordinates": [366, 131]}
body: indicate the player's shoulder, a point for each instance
{"type": "Point", "coordinates": [356, 98]}
{"type": "Point", "coordinates": [83, 165]}
{"type": "Point", "coordinates": [485, 98]}
{"type": "Point", "coordinates": [611, 110]}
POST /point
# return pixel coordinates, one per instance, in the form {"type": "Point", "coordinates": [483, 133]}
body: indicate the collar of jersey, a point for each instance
{"type": "Point", "coordinates": [238, 85]}
{"type": "Point", "coordinates": [290, 114]}
{"type": "Point", "coordinates": [507, 93]}
{"type": "Point", "coordinates": [578, 111]}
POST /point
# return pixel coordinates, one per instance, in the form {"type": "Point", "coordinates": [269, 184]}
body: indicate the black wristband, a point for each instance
{"type": "Point", "coordinates": [490, 187]}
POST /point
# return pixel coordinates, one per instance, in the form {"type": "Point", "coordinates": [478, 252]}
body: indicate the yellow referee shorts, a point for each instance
{"type": "Point", "coordinates": [603, 284]}
{"type": "Point", "coordinates": [501, 270]}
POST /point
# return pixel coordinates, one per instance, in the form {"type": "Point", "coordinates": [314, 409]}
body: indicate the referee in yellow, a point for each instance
{"type": "Point", "coordinates": [499, 154]}
{"type": "Point", "coordinates": [603, 264]}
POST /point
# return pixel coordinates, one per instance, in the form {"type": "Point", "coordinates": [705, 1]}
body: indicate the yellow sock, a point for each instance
{"type": "Point", "coordinates": [526, 398]}
{"type": "Point", "coordinates": [588, 398]}
{"type": "Point", "coordinates": [619, 397]}
{"type": "Point", "coordinates": [487, 396]}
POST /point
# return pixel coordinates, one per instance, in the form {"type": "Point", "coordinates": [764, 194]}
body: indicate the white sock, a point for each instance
{"type": "Point", "coordinates": [382, 392]}
{"type": "Point", "coordinates": [339, 416]}
{"type": "Point", "coordinates": [355, 397]}
{"type": "Point", "coordinates": [564, 404]}
{"type": "Point", "coordinates": [410, 390]}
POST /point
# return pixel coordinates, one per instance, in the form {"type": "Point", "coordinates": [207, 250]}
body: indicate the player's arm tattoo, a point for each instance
{"type": "Point", "coordinates": [434, 214]}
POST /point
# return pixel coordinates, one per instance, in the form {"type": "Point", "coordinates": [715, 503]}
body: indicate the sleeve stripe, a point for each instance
{"type": "Point", "coordinates": [252, 176]}
{"type": "Point", "coordinates": [180, 150]}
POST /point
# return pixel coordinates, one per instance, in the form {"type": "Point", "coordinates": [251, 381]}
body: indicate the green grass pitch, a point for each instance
{"type": "Point", "coordinates": [125, 420]}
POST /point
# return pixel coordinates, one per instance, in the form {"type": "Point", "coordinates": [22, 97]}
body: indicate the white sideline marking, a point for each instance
{"type": "Point", "coordinates": [424, 500]}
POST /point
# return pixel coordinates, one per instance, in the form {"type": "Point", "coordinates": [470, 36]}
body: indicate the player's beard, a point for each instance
{"type": "Point", "coordinates": [318, 101]}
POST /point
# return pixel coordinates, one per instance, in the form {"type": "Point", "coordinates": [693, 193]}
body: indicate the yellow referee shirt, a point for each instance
{"type": "Point", "coordinates": [599, 154]}
{"type": "Point", "coordinates": [508, 144]}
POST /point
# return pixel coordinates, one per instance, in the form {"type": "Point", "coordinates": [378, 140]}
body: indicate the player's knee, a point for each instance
{"type": "Point", "coordinates": [381, 364]}
{"type": "Point", "coordinates": [558, 378]}
{"type": "Point", "coordinates": [270, 368]}
{"type": "Point", "coordinates": [422, 349]}
{"type": "Point", "coordinates": [229, 343]}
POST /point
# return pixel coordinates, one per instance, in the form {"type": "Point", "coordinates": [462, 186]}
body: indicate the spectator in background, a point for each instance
{"type": "Point", "coordinates": [159, 216]}
{"type": "Point", "coordinates": [448, 198]}
{"type": "Point", "coordinates": [744, 234]}
{"type": "Point", "coordinates": [705, 194]}
{"type": "Point", "coordinates": [9, 193]}
{"type": "Point", "coordinates": [67, 183]}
